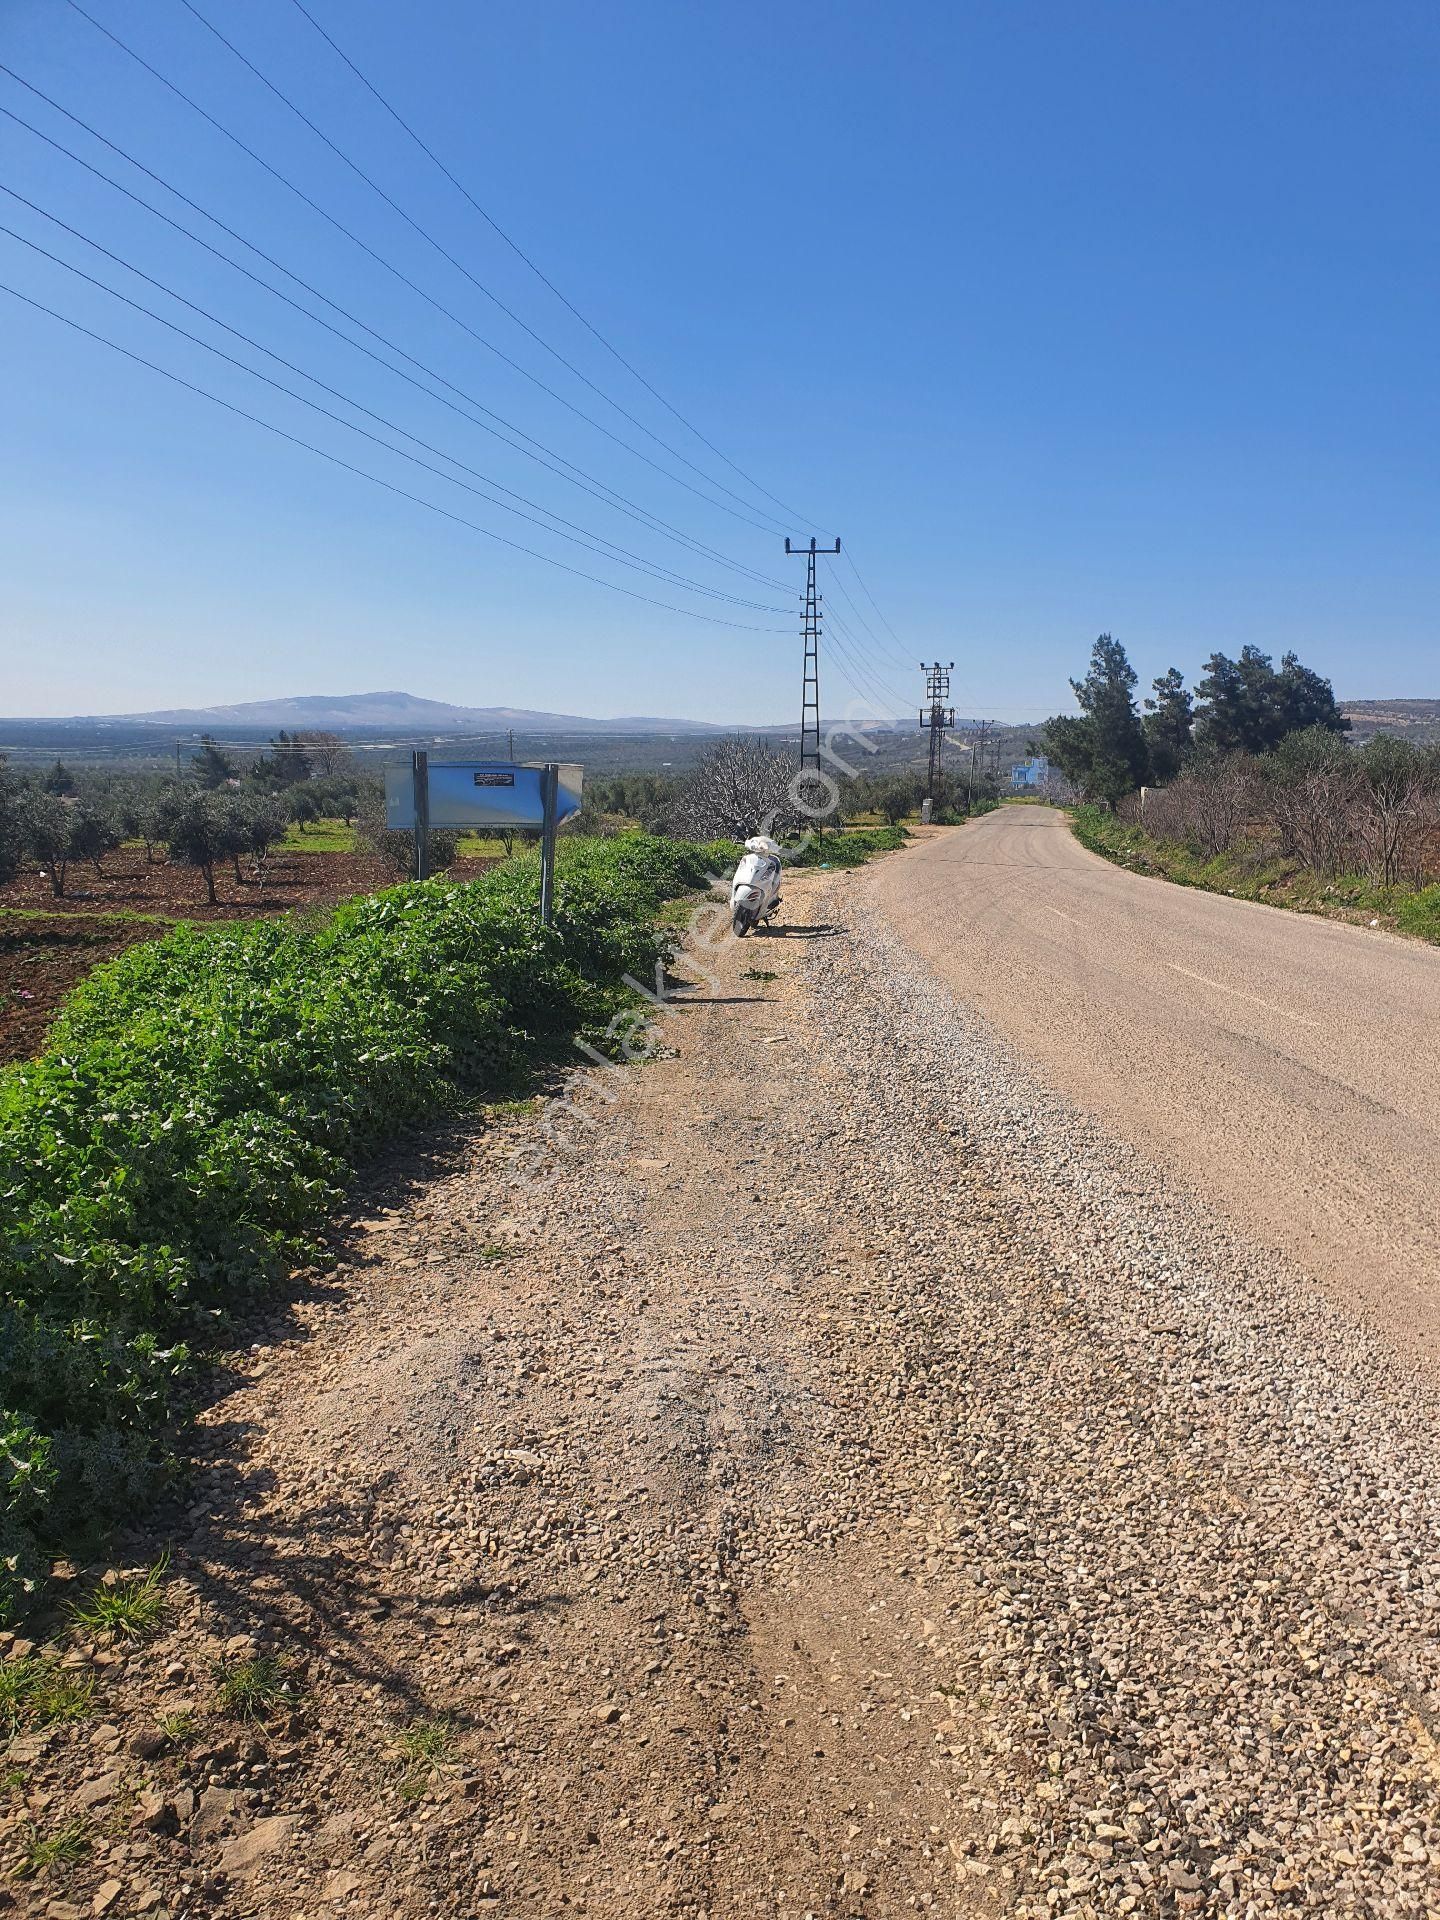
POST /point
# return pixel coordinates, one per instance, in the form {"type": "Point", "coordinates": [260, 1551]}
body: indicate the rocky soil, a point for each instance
{"type": "Point", "coordinates": [814, 1474]}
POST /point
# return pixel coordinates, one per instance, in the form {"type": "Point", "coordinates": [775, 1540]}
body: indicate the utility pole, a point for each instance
{"type": "Point", "coordinates": [810, 694]}
{"type": "Point", "coordinates": [510, 737]}
{"type": "Point", "coordinates": [937, 716]}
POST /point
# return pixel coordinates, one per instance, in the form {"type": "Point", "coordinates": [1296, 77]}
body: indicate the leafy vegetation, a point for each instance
{"type": "Point", "coordinates": [44, 1851]}
{"type": "Point", "coordinates": [849, 849]}
{"type": "Point", "coordinates": [1246, 706]}
{"type": "Point", "coordinates": [177, 1149]}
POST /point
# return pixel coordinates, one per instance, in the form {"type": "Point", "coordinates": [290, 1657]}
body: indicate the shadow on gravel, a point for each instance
{"type": "Point", "coordinates": [676, 1003]}
{"type": "Point", "coordinates": [821, 930]}
{"type": "Point", "coordinates": [308, 1589]}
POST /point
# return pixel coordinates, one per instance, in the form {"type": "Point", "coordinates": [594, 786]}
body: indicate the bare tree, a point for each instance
{"type": "Point", "coordinates": [1221, 795]}
{"type": "Point", "coordinates": [1394, 792]}
{"type": "Point", "coordinates": [1310, 786]}
{"type": "Point", "coordinates": [737, 788]}
{"type": "Point", "coordinates": [327, 753]}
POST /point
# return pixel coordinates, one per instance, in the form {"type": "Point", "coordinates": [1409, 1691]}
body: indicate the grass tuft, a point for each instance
{"type": "Point", "coordinates": [253, 1689]}
{"type": "Point", "coordinates": [40, 1693]}
{"type": "Point", "coordinates": [130, 1609]}
{"type": "Point", "coordinates": [62, 1848]}
{"type": "Point", "coordinates": [424, 1749]}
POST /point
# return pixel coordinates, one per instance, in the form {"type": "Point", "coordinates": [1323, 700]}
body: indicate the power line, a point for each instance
{"type": "Point", "coordinates": [445, 253]}
{"type": "Point", "coordinates": [850, 558]}
{"type": "Point", "coordinates": [885, 698]}
{"type": "Point", "coordinates": [388, 485]}
{"type": "Point", "coordinates": [404, 278]}
{"type": "Point", "coordinates": [581, 536]}
{"type": "Point", "coordinates": [525, 443]}
{"type": "Point", "coordinates": [544, 279]}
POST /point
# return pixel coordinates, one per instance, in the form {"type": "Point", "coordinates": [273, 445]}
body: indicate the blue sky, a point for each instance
{"type": "Point", "coordinates": [1066, 317]}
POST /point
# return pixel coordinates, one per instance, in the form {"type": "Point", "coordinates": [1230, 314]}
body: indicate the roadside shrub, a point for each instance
{"type": "Point", "coordinates": [848, 849]}
{"type": "Point", "coordinates": [204, 1098]}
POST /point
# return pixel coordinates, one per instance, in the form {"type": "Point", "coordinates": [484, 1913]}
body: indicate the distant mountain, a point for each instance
{"type": "Point", "coordinates": [347, 712]}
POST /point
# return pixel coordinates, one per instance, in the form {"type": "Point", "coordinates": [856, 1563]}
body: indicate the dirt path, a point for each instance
{"type": "Point", "coordinates": [836, 1482]}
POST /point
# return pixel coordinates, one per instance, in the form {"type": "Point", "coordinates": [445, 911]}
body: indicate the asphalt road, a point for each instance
{"type": "Point", "coordinates": [1286, 1067]}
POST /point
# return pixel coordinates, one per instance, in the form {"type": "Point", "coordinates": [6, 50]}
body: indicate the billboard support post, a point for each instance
{"type": "Point", "coordinates": [420, 762]}
{"type": "Point", "coordinates": [550, 794]}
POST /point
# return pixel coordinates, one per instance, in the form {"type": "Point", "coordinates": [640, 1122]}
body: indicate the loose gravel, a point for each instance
{"type": "Point", "coordinates": [818, 1473]}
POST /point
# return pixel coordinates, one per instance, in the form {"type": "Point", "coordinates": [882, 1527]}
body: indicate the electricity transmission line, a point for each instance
{"type": "Point", "coordinates": [447, 255]}
{"type": "Point", "coordinates": [855, 656]}
{"type": "Point", "coordinates": [405, 279]}
{"type": "Point", "coordinates": [362, 473]}
{"type": "Point", "coordinates": [540, 275]}
{"type": "Point", "coordinates": [524, 443]}
{"type": "Point", "coordinates": [580, 536]}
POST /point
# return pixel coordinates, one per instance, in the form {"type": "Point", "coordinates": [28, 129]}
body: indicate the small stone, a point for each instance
{"type": "Point", "coordinates": [246, 1851]}
{"type": "Point", "coordinates": [106, 1895]}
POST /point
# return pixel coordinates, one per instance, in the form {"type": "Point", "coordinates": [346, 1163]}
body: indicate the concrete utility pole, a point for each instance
{"type": "Point", "coordinates": [937, 716]}
{"type": "Point", "coordinates": [810, 695]}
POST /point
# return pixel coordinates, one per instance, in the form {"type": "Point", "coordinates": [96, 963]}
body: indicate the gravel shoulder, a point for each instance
{"type": "Point", "coordinates": [816, 1473]}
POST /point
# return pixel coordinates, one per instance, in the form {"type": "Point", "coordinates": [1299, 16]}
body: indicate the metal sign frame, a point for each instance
{"type": "Point", "coordinates": [536, 796]}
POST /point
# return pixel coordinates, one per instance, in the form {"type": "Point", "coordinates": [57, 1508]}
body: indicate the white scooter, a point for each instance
{"type": "Point", "coordinates": [755, 890]}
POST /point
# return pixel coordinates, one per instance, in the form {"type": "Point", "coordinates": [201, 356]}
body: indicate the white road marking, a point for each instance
{"type": "Point", "coordinates": [1066, 916]}
{"type": "Point", "coordinates": [1220, 987]}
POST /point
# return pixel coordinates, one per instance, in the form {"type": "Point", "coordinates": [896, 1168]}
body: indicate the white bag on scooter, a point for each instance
{"type": "Point", "coordinates": [755, 889]}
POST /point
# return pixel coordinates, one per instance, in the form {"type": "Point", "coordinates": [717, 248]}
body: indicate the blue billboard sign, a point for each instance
{"type": "Point", "coordinates": [479, 794]}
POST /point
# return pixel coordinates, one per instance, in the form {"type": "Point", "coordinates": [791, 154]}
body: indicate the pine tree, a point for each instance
{"type": "Point", "coordinates": [1103, 749]}
{"type": "Point", "coordinates": [1169, 724]}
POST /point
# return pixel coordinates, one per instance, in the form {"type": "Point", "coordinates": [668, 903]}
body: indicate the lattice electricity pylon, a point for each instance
{"type": "Point", "coordinates": [937, 716]}
{"type": "Point", "coordinates": [810, 692]}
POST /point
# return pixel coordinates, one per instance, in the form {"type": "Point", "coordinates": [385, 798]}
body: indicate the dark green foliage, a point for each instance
{"type": "Point", "coordinates": [286, 764]}
{"type": "Point", "coordinates": [649, 798]}
{"type": "Point", "coordinates": [177, 1149]}
{"type": "Point", "coordinates": [200, 830]}
{"type": "Point", "coordinates": [1246, 706]}
{"type": "Point", "coordinates": [12, 845]}
{"type": "Point", "coordinates": [59, 780]}
{"type": "Point", "coordinates": [213, 766]}
{"type": "Point", "coordinates": [1169, 724]}
{"type": "Point", "coordinates": [44, 822]}
{"type": "Point", "coordinates": [1103, 749]}
{"type": "Point", "coordinates": [94, 831]}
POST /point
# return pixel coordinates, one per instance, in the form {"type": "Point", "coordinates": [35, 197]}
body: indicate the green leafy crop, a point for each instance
{"type": "Point", "coordinates": [203, 1101]}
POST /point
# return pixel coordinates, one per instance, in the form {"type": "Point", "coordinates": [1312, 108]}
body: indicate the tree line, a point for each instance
{"type": "Point", "coordinates": [213, 814]}
{"type": "Point", "coordinates": [1257, 757]}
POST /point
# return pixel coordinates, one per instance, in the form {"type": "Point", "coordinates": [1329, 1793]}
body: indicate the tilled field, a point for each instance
{"type": "Point", "coordinates": [814, 1474]}
{"type": "Point", "coordinates": [47, 946]}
